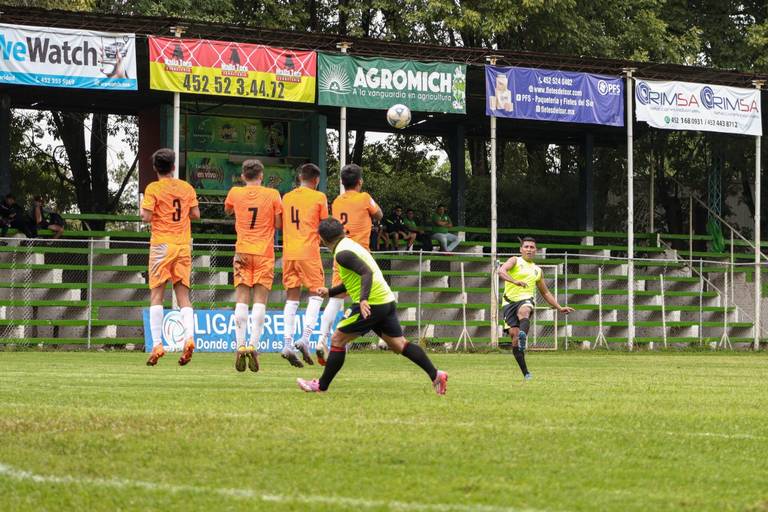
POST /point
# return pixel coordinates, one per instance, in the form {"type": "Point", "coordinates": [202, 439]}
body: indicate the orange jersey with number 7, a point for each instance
{"type": "Point", "coordinates": [255, 208]}
{"type": "Point", "coordinates": [304, 209]}
{"type": "Point", "coordinates": [169, 200]}
{"type": "Point", "coordinates": [354, 209]}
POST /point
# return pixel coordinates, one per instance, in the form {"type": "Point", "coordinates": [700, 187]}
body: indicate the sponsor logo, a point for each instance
{"type": "Point", "coordinates": [608, 88]}
{"type": "Point", "coordinates": [334, 79]}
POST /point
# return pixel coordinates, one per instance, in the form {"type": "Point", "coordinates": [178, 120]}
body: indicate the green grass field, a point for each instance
{"type": "Point", "coordinates": [593, 431]}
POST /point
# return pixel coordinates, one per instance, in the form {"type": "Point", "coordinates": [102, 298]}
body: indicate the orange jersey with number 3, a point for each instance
{"type": "Point", "coordinates": [255, 208]}
{"type": "Point", "coordinates": [354, 209]}
{"type": "Point", "coordinates": [169, 200]}
{"type": "Point", "coordinates": [304, 209]}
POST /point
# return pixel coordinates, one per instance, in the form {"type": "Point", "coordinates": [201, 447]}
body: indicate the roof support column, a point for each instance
{"type": "Point", "coordinates": [456, 156]}
{"type": "Point", "coordinates": [5, 145]}
{"type": "Point", "coordinates": [586, 185]}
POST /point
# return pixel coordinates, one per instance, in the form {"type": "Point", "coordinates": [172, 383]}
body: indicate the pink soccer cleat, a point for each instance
{"type": "Point", "coordinates": [310, 386]}
{"type": "Point", "coordinates": [440, 383]}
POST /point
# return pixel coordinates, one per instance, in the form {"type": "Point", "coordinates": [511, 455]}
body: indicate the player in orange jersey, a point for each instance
{"type": "Point", "coordinates": [355, 210]}
{"type": "Point", "coordinates": [304, 207]}
{"type": "Point", "coordinates": [169, 205]}
{"type": "Point", "coordinates": [258, 212]}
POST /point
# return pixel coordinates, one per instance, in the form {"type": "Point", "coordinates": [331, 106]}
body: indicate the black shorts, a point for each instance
{"type": "Point", "coordinates": [510, 311]}
{"type": "Point", "coordinates": [382, 320]}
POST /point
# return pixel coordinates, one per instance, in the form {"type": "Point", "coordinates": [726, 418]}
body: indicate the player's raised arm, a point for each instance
{"type": "Point", "coordinates": [547, 295]}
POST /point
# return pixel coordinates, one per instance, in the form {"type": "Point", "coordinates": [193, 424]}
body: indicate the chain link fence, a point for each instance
{"type": "Point", "coordinates": [85, 293]}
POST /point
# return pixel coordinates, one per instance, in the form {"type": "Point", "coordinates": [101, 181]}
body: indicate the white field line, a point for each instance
{"type": "Point", "coordinates": [246, 494]}
{"type": "Point", "coordinates": [413, 422]}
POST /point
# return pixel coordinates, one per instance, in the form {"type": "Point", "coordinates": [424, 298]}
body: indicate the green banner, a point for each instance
{"type": "Point", "coordinates": [258, 137]}
{"type": "Point", "coordinates": [217, 172]}
{"type": "Point", "coordinates": [346, 81]}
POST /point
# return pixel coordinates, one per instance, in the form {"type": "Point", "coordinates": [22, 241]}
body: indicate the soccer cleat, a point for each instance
{"type": "Point", "coordinates": [321, 351]}
{"type": "Point", "coordinates": [252, 355]}
{"type": "Point", "coordinates": [528, 376]}
{"type": "Point", "coordinates": [290, 356]}
{"type": "Point", "coordinates": [157, 353]}
{"type": "Point", "coordinates": [302, 347]}
{"type": "Point", "coordinates": [309, 386]}
{"type": "Point", "coordinates": [240, 358]}
{"type": "Point", "coordinates": [440, 383]}
{"type": "Point", "coordinates": [186, 356]}
{"type": "Point", "coordinates": [522, 340]}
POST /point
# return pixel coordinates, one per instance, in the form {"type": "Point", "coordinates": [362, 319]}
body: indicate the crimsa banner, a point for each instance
{"type": "Point", "coordinates": [58, 57]}
{"type": "Point", "coordinates": [689, 106]}
{"type": "Point", "coordinates": [231, 69]}
{"type": "Point", "coordinates": [346, 81]}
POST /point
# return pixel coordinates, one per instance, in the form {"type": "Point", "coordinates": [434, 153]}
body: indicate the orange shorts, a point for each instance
{"type": "Point", "coordinates": [308, 273]}
{"type": "Point", "coordinates": [169, 262]}
{"type": "Point", "coordinates": [251, 269]}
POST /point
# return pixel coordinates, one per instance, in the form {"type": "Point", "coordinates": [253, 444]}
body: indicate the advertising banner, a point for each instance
{"type": "Point", "coordinates": [548, 95]}
{"type": "Point", "coordinates": [218, 172]}
{"type": "Point", "coordinates": [690, 106]}
{"type": "Point", "coordinates": [231, 69]}
{"type": "Point", "coordinates": [58, 57]}
{"type": "Point", "coordinates": [346, 81]}
{"type": "Point", "coordinates": [215, 331]}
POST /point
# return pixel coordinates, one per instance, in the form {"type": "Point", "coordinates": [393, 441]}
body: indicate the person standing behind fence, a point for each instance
{"type": "Point", "coordinates": [305, 207]}
{"type": "Point", "coordinates": [356, 211]}
{"type": "Point", "coordinates": [520, 276]}
{"type": "Point", "coordinates": [169, 205]}
{"type": "Point", "coordinates": [258, 213]}
{"type": "Point", "coordinates": [441, 222]}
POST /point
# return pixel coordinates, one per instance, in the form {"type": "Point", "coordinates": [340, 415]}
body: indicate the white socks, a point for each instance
{"type": "Point", "coordinates": [156, 324]}
{"type": "Point", "coordinates": [241, 323]}
{"type": "Point", "coordinates": [329, 315]}
{"type": "Point", "coordinates": [188, 319]}
{"type": "Point", "coordinates": [257, 322]}
{"type": "Point", "coordinates": [310, 318]}
{"type": "Point", "coordinates": [289, 319]}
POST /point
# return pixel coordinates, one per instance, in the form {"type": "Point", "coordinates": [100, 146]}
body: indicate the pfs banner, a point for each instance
{"type": "Point", "coordinates": [545, 95]}
{"type": "Point", "coordinates": [58, 57]}
{"type": "Point", "coordinates": [215, 331]}
{"type": "Point", "coordinates": [231, 69]}
{"type": "Point", "coordinates": [346, 81]}
{"type": "Point", "coordinates": [689, 106]}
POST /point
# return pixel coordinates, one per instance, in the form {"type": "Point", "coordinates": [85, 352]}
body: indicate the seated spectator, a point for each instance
{"type": "Point", "coordinates": [45, 218]}
{"type": "Point", "coordinates": [419, 235]}
{"type": "Point", "coordinates": [379, 236]}
{"type": "Point", "coordinates": [397, 229]}
{"type": "Point", "coordinates": [441, 223]}
{"type": "Point", "coordinates": [12, 216]}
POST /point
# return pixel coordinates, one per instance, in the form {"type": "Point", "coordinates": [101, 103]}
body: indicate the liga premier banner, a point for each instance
{"type": "Point", "coordinates": [215, 331]}
{"type": "Point", "coordinates": [691, 106]}
{"type": "Point", "coordinates": [346, 81]}
{"type": "Point", "coordinates": [58, 57]}
{"type": "Point", "coordinates": [548, 95]}
{"type": "Point", "coordinates": [231, 69]}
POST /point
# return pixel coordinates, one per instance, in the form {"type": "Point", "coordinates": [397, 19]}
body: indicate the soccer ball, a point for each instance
{"type": "Point", "coordinates": [399, 116]}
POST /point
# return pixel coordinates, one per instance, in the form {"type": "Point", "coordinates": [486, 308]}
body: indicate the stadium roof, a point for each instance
{"type": "Point", "coordinates": [475, 121]}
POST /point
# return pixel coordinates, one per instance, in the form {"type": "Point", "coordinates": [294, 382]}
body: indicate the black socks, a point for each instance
{"type": "Point", "coordinates": [520, 358]}
{"type": "Point", "coordinates": [418, 356]}
{"type": "Point", "coordinates": [525, 324]}
{"type": "Point", "coordinates": [332, 366]}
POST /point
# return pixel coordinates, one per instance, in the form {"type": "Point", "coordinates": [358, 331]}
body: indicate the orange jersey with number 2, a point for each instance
{"type": "Point", "coordinates": [169, 200]}
{"type": "Point", "coordinates": [354, 209]}
{"type": "Point", "coordinates": [255, 208]}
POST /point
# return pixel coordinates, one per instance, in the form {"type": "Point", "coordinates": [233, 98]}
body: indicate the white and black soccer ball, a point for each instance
{"type": "Point", "coordinates": [399, 116]}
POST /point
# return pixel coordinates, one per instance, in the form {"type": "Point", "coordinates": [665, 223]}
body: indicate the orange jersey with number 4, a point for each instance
{"type": "Point", "coordinates": [354, 209]}
{"type": "Point", "coordinates": [304, 209]}
{"type": "Point", "coordinates": [255, 208]}
{"type": "Point", "coordinates": [169, 200]}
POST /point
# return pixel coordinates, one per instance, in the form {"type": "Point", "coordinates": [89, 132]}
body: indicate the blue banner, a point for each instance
{"type": "Point", "coordinates": [215, 331]}
{"type": "Point", "coordinates": [548, 95]}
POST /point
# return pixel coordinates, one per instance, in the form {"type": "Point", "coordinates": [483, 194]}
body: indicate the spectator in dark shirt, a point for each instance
{"type": "Point", "coordinates": [420, 236]}
{"type": "Point", "coordinates": [397, 229]}
{"type": "Point", "coordinates": [12, 216]}
{"type": "Point", "coordinates": [45, 218]}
